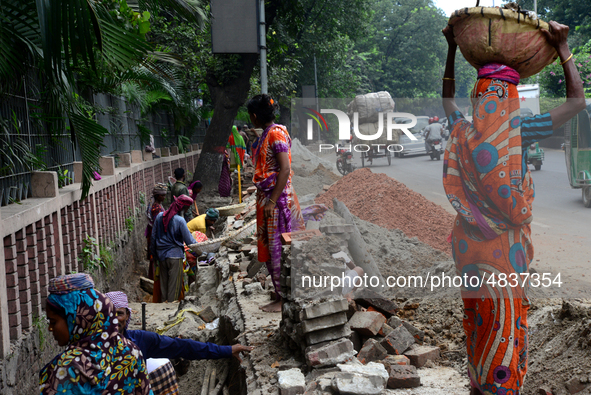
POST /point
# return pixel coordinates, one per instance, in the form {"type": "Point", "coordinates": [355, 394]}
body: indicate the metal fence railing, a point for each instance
{"type": "Point", "coordinates": [26, 145]}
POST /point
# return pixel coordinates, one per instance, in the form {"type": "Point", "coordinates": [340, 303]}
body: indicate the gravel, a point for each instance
{"type": "Point", "coordinates": [388, 203]}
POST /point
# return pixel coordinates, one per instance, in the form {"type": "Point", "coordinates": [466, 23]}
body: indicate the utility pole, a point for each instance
{"type": "Point", "coordinates": [263, 38]}
{"type": "Point", "coordinates": [316, 90]}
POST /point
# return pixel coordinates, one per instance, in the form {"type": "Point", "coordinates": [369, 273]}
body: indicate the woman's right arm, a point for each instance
{"type": "Point", "coordinates": [449, 84]}
{"type": "Point", "coordinates": [575, 94]}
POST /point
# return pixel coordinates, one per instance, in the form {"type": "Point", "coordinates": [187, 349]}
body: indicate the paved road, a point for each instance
{"type": "Point", "coordinates": [562, 224]}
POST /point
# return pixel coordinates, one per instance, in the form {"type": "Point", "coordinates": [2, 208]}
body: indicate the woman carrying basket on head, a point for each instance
{"type": "Point", "coordinates": [487, 181]}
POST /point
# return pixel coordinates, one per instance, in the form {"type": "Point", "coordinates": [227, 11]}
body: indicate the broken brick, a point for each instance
{"type": "Point", "coordinates": [328, 354]}
{"type": "Point", "coordinates": [329, 334]}
{"type": "Point", "coordinates": [302, 235]}
{"type": "Point", "coordinates": [396, 360]}
{"type": "Point", "coordinates": [575, 386]}
{"type": "Point", "coordinates": [367, 323]}
{"type": "Point", "coordinates": [403, 377]}
{"type": "Point", "coordinates": [385, 330]}
{"type": "Point", "coordinates": [418, 334]}
{"type": "Point", "coordinates": [326, 308]}
{"type": "Point", "coordinates": [207, 314]}
{"type": "Point", "coordinates": [325, 322]}
{"type": "Point", "coordinates": [291, 382]}
{"type": "Point", "coordinates": [371, 351]}
{"type": "Point", "coordinates": [419, 355]}
{"type": "Point", "coordinates": [369, 298]}
{"type": "Point", "coordinates": [398, 341]}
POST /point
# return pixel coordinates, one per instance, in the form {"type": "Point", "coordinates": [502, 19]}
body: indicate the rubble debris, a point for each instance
{"type": "Point", "coordinates": [403, 377]}
{"type": "Point", "coordinates": [326, 308]}
{"type": "Point", "coordinates": [368, 298]}
{"type": "Point", "coordinates": [327, 321]}
{"type": "Point", "coordinates": [330, 354]}
{"type": "Point", "coordinates": [367, 323]}
{"type": "Point", "coordinates": [374, 197]}
{"type": "Point", "coordinates": [371, 369]}
{"type": "Point", "coordinates": [291, 382]}
{"type": "Point", "coordinates": [336, 332]}
{"type": "Point", "coordinates": [357, 384]}
{"type": "Point", "coordinates": [398, 341]}
{"type": "Point", "coordinates": [255, 287]}
{"type": "Point", "coordinates": [419, 355]}
{"type": "Point", "coordinates": [371, 351]}
{"type": "Point", "coordinates": [358, 248]}
{"type": "Point", "coordinates": [576, 385]}
{"type": "Point", "coordinates": [395, 360]}
{"type": "Point", "coordinates": [301, 235]}
{"type": "Point", "coordinates": [207, 314]}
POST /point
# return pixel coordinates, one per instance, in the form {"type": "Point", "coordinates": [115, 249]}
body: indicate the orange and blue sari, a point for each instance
{"type": "Point", "coordinates": [287, 216]}
{"type": "Point", "coordinates": [487, 181]}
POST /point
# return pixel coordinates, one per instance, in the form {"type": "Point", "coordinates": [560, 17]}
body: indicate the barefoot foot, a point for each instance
{"type": "Point", "coordinates": [274, 307]}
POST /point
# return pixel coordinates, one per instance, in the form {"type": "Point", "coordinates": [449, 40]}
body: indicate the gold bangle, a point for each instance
{"type": "Point", "coordinates": [448, 79]}
{"type": "Point", "coordinates": [272, 201]}
{"type": "Point", "coordinates": [569, 58]}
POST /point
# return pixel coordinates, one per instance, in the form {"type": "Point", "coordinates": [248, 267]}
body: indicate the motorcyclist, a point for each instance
{"type": "Point", "coordinates": [432, 132]}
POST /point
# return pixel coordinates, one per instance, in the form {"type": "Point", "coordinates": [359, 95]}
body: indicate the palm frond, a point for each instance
{"type": "Point", "coordinates": [89, 137]}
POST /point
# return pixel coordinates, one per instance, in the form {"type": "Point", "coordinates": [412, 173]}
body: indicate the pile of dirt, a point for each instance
{"type": "Point", "coordinates": [311, 181]}
{"type": "Point", "coordinates": [388, 203]}
{"type": "Point", "coordinates": [560, 346]}
{"type": "Point", "coordinates": [303, 157]}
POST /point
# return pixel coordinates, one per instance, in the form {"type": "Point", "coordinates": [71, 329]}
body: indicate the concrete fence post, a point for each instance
{"type": "Point", "coordinates": [77, 172]}
{"type": "Point", "coordinates": [125, 160]}
{"type": "Point", "coordinates": [136, 156]}
{"type": "Point", "coordinates": [107, 165]}
{"type": "Point", "coordinates": [174, 151]}
{"type": "Point", "coordinates": [165, 152]}
{"type": "Point", "coordinates": [44, 184]}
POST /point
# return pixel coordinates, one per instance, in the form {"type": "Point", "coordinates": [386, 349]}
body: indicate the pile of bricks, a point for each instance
{"type": "Point", "coordinates": [330, 331]}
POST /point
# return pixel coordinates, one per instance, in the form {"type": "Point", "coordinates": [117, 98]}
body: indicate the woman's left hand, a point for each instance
{"type": "Point", "coordinates": [269, 207]}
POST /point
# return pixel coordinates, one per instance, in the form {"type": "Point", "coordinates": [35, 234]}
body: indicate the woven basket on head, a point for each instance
{"type": "Point", "coordinates": [487, 35]}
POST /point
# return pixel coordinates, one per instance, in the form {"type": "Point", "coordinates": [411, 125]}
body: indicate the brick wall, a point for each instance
{"type": "Point", "coordinates": [43, 238]}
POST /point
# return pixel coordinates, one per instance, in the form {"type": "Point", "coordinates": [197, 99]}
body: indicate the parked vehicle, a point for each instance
{"type": "Point", "coordinates": [411, 147]}
{"type": "Point", "coordinates": [578, 153]}
{"type": "Point", "coordinates": [436, 150]}
{"type": "Point", "coordinates": [345, 162]}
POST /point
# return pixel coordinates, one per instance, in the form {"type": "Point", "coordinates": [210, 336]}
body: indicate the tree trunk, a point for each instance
{"type": "Point", "coordinates": [227, 99]}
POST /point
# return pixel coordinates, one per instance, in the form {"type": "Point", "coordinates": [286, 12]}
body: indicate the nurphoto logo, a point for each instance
{"type": "Point", "coordinates": [349, 130]}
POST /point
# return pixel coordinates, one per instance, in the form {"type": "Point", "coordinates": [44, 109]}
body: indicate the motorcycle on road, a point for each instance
{"type": "Point", "coordinates": [436, 150]}
{"type": "Point", "coordinates": [345, 162]}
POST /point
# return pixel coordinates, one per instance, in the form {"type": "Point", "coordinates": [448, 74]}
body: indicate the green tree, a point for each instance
{"type": "Point", "coordinates": [405, 49]}
{"type": "Point", "coordinates": [574, 13]}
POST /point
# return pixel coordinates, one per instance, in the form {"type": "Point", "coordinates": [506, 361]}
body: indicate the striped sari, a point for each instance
{"type": "Point", "coordinates": [488, 183]}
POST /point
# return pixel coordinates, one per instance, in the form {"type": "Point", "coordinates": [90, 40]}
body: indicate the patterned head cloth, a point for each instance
{"type": "Point", "coordinates": [119, 299]}
{"type": "Point", "coordinates": [159, 189]}
{"type": "Point", "coordinates": [499, 71]}
{"type": "Point", "coordinates": [65, 284]}
{"type": "Point", "coordinates": [212, 213]}
{"type": "Point", "coordinates": [177, 205]}
{"type": "Point", "coordinates": [97, 359]}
